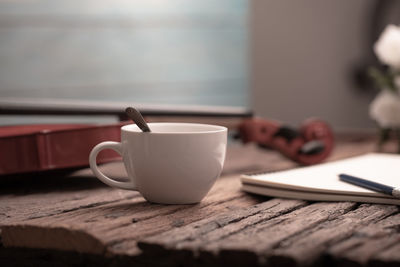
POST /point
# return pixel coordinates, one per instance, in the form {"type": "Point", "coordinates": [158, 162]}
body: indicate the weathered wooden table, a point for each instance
{"type": "Point", "coordinates": [57, 219]}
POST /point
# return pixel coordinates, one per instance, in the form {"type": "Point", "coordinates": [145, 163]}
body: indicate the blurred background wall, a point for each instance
{"type": "Point", "coordinates": [304, 57]}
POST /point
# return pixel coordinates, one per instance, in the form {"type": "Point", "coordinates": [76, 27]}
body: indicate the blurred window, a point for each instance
{"type": "Point", "coordinates": [143, 51]}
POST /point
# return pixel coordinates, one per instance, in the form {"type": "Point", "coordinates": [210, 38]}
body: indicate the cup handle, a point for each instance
{"type": "Point", "coordinates": [116, 146]}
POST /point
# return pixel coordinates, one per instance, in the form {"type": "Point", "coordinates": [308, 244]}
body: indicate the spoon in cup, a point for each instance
{"type": "Point", "coordinates": [135, 115]}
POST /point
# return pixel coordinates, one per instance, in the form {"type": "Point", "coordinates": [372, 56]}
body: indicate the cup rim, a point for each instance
{"type": "Point", "coordinates": [133, 128]}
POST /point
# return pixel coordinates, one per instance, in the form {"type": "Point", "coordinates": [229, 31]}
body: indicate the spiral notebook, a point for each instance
{"type": "Point", "coordinates": [321, 182]}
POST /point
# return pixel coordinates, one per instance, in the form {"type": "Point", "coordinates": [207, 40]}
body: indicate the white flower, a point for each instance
{"type": "Point", "coordinates": [387, 48]}
{"type": "Point", "coordinates": [385, 109]}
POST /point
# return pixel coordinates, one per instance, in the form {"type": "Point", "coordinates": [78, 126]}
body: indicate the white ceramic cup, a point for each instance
{"type": "Point", "coordinates": [175, 163]}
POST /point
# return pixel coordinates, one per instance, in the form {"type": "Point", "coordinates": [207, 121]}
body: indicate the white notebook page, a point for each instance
{"type": "Point", "coordinates": [377, 167]}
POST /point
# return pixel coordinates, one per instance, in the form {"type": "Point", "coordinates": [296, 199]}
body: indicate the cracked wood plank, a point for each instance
{"type": "Point", "coordinates": [29, 207]}
{"type": "Point", "coordinates": [267, 234]}
{"type": "Point", "coordinates": [312, 244]}
{"type": "Point", "coordinates": [38, 195]}
{"type": "Point", "coordinates": [114, 227]}
{"type": "Point", "coordinates": [236, 243]}
{"type": "Point", "coordinates": [208, 230]}
{"type": "Point", "coordinates": [370, 240]}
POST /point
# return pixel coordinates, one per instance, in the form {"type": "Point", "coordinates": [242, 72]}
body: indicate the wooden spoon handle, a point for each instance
{"type": "Point", "coordinates": [135, 115]}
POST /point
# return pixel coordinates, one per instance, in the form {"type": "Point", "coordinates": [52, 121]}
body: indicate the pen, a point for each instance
{"type": "Point", "coordinates": [377, 187]}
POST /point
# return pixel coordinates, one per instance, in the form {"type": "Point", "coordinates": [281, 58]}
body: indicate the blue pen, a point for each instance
{"type": "Point", "coordinates": [381, 188]}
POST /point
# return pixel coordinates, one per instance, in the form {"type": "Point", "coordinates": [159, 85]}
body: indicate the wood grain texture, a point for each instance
{"type": "Point", "coordinates": [369, 240]}
{"type": "Point", "coordinates": [312, 244]}
{"type": "Point", "coordinates": [216, 228]}
{"type": "Point", "coordinates": [116, 225]}
{"type": "Point", "coordinates": [343, 233]}
{"type": "Point", "coordinates": [261, 238]}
